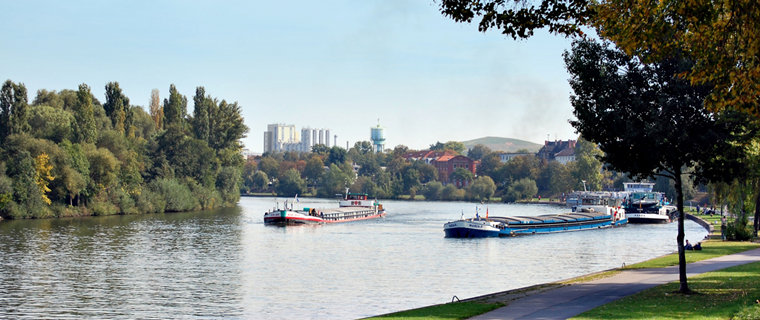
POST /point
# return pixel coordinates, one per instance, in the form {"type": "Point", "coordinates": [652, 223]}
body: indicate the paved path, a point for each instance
{"type": "Point", "coordinates": [568, 301]}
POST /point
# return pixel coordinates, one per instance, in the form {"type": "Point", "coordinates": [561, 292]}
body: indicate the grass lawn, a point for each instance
{"type": "Point", "coordinates": [720, 295]}
{"type": "Point", "coordinates": [710, 249]}
{"type": "Point", "coordinates": [457, 310]}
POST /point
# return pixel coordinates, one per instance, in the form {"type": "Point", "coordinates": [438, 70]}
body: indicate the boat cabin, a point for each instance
{"type": "Point", "coordinates": [356, 196]}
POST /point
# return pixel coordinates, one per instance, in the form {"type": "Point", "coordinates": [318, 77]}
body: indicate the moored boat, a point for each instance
{"type": "Point", "coordinates": [646, 206]}
{"type": "Point", "coordinates": [352, 207]}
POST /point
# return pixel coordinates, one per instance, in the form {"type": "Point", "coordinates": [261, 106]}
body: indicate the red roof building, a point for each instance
{"type": "Point", "coordinates": [447, 164]}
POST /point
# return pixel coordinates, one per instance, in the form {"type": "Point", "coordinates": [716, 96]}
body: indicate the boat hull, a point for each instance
{"type": "Point", "coordinates": [652, 218]}
{"type": "Point", "coordinates": [470, 229]}
{"type": "Point", "coordinates": [520, 225]}
{"type": "Point", "coordinates": [313, 216]}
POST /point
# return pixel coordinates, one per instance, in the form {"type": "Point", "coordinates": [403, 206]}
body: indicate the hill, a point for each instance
{"type": "Point", "coordinates": [503, 144]}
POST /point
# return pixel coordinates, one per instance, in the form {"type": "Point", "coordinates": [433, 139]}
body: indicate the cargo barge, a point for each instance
{"type": "Point", "coordinates": [352, 207]}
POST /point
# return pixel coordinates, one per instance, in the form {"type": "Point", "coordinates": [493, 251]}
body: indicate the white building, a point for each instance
{"type": "Point", "coordinates": [281, 138]}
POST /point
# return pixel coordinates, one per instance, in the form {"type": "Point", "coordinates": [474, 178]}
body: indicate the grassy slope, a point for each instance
{"type": "Point", "coordinates": [711, 249]}
{"type": "Point", "coordinates": [503, 144]}
{"type": "Point", "coordinates": [720, 295]}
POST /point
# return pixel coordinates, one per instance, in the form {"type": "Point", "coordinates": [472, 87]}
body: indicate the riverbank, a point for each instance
{"type": "Point", "coordinates": [712, 250]}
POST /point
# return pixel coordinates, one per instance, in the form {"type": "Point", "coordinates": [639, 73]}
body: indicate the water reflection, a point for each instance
{"type": "Point", "coordinates": [226, 263]}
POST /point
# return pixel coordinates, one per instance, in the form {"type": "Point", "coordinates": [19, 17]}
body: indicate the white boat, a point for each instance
{"type": "Point", "coordinates": [646, 206]}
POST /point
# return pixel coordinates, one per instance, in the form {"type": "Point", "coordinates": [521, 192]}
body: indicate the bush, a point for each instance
{"type": "Point", "coordinates": [177, 196]}
{"type": "Point", "coordinates": [103, 208]}
{"type": "Point", "coordinates": [522, 189]}
{"type": "Point", "coordinates": [739, 230]}
{"type": "Point", "coordinates": [433, 190]}
{"type": "Point", "coordinates": [150, 202]}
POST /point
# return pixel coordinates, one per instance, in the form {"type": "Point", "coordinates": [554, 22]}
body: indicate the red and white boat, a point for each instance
{"type": "Point", "coordinates": [352, 207]}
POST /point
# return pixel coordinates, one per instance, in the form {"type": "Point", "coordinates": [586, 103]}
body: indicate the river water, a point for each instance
{"type": "Point", "coordinates": [226, 263]}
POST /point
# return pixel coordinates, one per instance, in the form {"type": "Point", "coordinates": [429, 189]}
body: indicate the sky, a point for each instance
{"type": "Point", "coordinates": [334, 64]}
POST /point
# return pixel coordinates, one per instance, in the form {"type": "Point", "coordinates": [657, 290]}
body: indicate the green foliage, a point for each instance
{"type": "Point", "coordinates": [175, 108]}
{"type": "Point", "coordinates": [337, 156]}
{"type": "Point", "coordinates": [48, 98]}
{"type": "Point", "coordinates": [336, 180]}
{"type": "Point", "coordinates": [751, 312]}
{"type": "Point", "coordinates": [433, 190]}
{"type": "Point", "coordinates": [84, 126]}
{"type": "Point", "coordinates": [177, 195]}
{"type": "Point", "coordinates": [478, 152]}
{"type": "Point", "coordinates": [103, 160]}
{"type": "Point", "coordinates": [588, 166]}
{"type": "Point", "coordinates": [519, 19]}
{"type": "Point", "coordinates": [524, 188]}
{"type": "Point", "coordinates": [462, 175]}
{"type": "Point", "coordinates": [260, 181]}
{"type": "Point", "coordinates": [14, 116]}
{"type": "Point", "coordinates": [50, 123]}
{"type": "Point", "coordinates": [290, 184]}
{"type": "Point", "coordinates": [740, 230]}
{"type": "Point", "coordinates": [452, 193]}
{"type": "Point", "coordinates": [482, 189]}
{"type": "Point", "coordinates": [116, 107]}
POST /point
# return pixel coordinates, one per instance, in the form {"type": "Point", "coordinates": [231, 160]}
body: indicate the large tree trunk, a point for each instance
{"type": "Point", "coordinates": [681, 252]}
{"type": "Point", "coordinates": [757, 212]}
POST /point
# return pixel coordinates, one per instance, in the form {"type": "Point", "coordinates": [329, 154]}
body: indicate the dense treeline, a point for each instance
{"type": "Point", "coordinates": [328, 171]}
{"type": "Point", "coordinates": [67, 154]}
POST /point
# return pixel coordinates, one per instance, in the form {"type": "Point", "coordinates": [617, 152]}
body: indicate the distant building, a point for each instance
{"type": "Point", "coordinates": [281, 138]}
{"type": "Point", "coordinates": [505, 157]}
{"type": "Point", "coordinates": [378, 137]}
{"type": "Point", "coordinates": [562, 151]}
{"type": "Point", "coordinates": [426, 155]}
{"type": "Point", "coordinates": [445, 162]}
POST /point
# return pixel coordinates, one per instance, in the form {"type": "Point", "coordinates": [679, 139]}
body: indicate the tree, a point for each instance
{"type": "Point", "coordinates": [156, 112]}
{"type": "Point", "coordinates": [201, 123]}
{"type": "Point", "coordinates": [461, 175]}
{"type": "Point", "coordinates": [518, 19]}
{"type": "Point", "coordinates": [337, 155]}
{"type": "Point", "coordinates": [720, 36]}
{"type": "Point", "coordinates": [489, 164]}
{"type": "Point", "coordinates": [587, 165]}
{"type": "Point", "coordinates": [314, 169]}
{"type": "Point", "coordinates": [433, 190]}
{"type": "Point", "coordinates": [43, 176]}
{"type": "Point", "coordinates": [320, 149]}
{"type": "Point", "coordinates": [290, 184]}
{"type": "Point", "coordinates": [48, 98]}
{"type": "Point", "coordinates": [270, 166]}
{"type": "Point", "coordinates": [482, 188]}
{"type": "Point", "coordinates": [260, 181]}
{"type": "Point", "coordinates": [84, 114]}
{"type": "Point", "coordinates": [363, 147]}
{"type": "Point", "coordinates": [521, 189]}
{"type": "Point", "coordinates": [116, 106]}
{"type": "Point", "coordinates": [14, 116]}
{"type": "Point", "coordinates": [226, 125]}
{"type": "Point", "coordinates": [646, 120]}
{"type": "Point", "coordinates": [478, 152]}
{"type": "Point", "coordinates": [175, 108]}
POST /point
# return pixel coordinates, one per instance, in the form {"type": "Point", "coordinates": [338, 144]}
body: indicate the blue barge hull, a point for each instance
{"type": "Point", "coordinates": [525, 225]}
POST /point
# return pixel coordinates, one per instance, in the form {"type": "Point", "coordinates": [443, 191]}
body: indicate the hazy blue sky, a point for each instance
{"type": "Point", "coordinates": [337, 64]}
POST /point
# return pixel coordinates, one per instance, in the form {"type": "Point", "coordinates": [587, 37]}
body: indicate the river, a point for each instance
{"type": "Point", "coordinates": [226, 263]}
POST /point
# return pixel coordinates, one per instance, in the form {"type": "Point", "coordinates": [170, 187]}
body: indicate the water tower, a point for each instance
{"type": "Point", "coordinates": [377, 137]}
